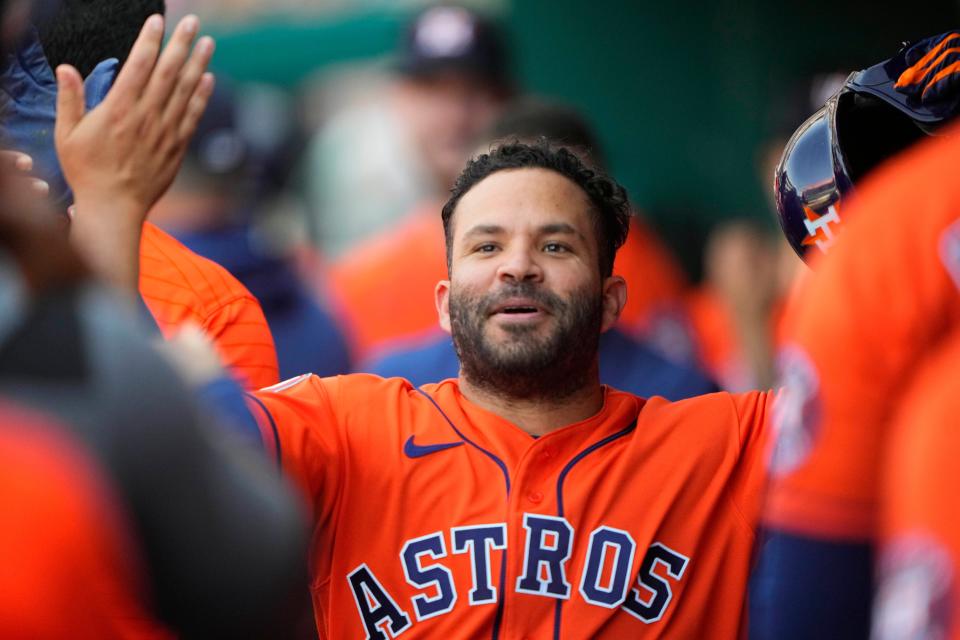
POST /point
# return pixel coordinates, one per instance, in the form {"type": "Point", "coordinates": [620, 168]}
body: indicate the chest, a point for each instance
{"type": "Point", "coordinates": [451, 532]}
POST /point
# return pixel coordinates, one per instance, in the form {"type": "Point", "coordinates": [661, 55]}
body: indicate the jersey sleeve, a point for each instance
{"type": "Point", "coordinates": [752, 410]}
{"type": "Point", "coordinates": [178, 287]}
{"type": "Point", "coordinates": [300, 432]}
{"type": "Point", "coordinates": [243, 340]}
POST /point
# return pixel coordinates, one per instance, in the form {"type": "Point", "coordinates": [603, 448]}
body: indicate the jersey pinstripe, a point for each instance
{"type": "Point", "coordinates": [178, 286]}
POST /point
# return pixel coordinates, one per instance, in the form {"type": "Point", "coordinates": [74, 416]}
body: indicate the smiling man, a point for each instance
{"type": "Point", "coordinates": [523, 499]}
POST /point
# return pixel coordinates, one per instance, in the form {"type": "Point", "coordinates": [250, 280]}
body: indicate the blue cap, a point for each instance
{"type": "Point", "coordinates": [28, 110]}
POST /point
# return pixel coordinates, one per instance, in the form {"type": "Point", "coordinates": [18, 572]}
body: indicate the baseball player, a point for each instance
{"type": "Point", "coordinates": [523, 499]}
{"type": "Point", "coordinates": [882, 299]}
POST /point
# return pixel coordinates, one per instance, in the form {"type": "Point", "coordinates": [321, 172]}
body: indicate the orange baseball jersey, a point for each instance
{"type": "Point", "coordinates": [178, 286]}
{"type": "Point", "coordinates": [883, 297]}
{"type": "Point", "coordinates": [66, 569]}
{"type": "Point", "coordinates": [436, 518]}
{"type": "Point", "coordinates": [919, 568]}
{"type": "Point", "coordinates": [385, 286]}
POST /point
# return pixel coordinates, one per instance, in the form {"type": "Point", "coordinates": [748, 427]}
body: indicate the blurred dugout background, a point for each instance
{"type": "Point", "coordinates": [683, 95]}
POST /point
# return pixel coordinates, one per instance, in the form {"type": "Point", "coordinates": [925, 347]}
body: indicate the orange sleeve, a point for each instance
{"type": "Point", "coordinates": [179, 286]}
{"type": "Point", "coordinates": [753, 414]}
{"type": "Point", "coordinates": [871, 308]}
{"type": "Point", "coordinates": [301, 432]}
{"type": "Point", "coordinates": [242, 338]}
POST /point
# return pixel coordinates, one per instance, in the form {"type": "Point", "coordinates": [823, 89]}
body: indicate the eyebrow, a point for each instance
{"type": "Point", "coordinates": [547, 229]}
{"type": "Point", "coordinates": [560, 228]}
{"type": "Point", "coordinates": [483, 230]}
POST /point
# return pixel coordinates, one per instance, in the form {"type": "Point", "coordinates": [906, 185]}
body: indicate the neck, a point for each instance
{"type": "Point", "coordinates": [538, 416]}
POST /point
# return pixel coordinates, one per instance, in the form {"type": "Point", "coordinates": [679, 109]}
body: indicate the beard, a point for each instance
{"type": "Point", "coordinates": [526, 365]}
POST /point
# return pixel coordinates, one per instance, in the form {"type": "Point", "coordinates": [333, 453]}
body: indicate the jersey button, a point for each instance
{"type": "Point", "coordinates": [547, 454]}
{"type": "Point", "coordinates": [535, 497]}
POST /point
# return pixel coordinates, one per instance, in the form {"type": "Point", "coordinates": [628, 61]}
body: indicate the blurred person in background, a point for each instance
{"type": "Point", "coordinates": [178, 287]}
{"type": "Point", "coordinates": [169, 524]}
{"type": "Point", "coordinates": [372, 165]}
{"type": "Point", "coordinates": [217, 207]}
{"type": "Point", "coordinates": [625, 362]}
{"type": "Point", "coordinates": [734, 312]}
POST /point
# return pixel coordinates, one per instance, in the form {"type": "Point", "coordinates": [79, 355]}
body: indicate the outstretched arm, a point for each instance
{"type": "Point", "coordinates": [123, 155]}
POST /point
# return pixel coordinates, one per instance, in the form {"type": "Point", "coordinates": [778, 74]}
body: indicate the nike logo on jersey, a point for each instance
{"type": "Point", "coordinates": [412, 450]}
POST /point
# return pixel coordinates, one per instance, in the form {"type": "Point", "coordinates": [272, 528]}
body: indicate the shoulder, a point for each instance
{"type": "Point", "coordinates": [355, 389]}
{"type": "Point", "coordinates": [721, 413]}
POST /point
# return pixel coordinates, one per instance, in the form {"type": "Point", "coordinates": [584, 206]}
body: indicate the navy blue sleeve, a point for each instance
{"type": "Point", "coordinates": [808, 588]}
{"type": "Point", "coordinates": [225, 400]}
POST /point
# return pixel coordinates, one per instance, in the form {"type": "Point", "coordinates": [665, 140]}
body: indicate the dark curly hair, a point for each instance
{"type": "Point", "coordinates": [84, 33]}
{"type": "Point", "coordinates": [611, 207]}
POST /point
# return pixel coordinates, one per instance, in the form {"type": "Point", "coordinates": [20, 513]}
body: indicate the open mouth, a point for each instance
{"type": "Point", "coordinates": [518, 310]}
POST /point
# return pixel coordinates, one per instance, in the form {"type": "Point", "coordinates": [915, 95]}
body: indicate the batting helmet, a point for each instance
{"type": "Point", "coordinates": [868, 120]}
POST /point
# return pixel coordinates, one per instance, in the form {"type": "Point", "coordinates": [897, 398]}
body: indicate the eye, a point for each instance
{"type": "Point", "coordinates": [486, 247]}
{"type": "Point", "coordinates": [555, 247]}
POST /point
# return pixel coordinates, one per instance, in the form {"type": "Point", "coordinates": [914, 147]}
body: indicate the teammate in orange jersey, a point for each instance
{"type": "Point", "coordinates": [67, 569]}
{"type": "Point", "coordinates": [524, 499]}
{"type": "Point", "coordinates": [177, 286]}
{"type": "Point", "coordinates": [919, 532]}
{"type": "Point", "coordinates": [881, 300]}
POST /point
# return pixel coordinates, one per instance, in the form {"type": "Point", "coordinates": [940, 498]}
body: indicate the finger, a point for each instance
{"type": "Point", "coordinates": [188, 82]}
{"type": "Point", "coordinates": [15, 160]}
{"type": "Point", "coordinates": [135, 74]}
{"type": "Point", "coordinates": [32, 186]}
{"type": "Point", "coordinates": [70, 105]}
{"type": "Point", "coordinates": [168, 69]}
{"type": "Point", "coordinates": [39, 187]}
{"type": "Point", "coordinates": [195, 107]}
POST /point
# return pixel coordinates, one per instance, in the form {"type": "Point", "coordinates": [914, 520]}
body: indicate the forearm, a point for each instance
{"type": "Point", "coordinates": [108, 237]}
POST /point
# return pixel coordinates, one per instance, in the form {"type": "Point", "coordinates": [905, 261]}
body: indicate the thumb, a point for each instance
{"type": "Point", "coordinates": [70, 105]}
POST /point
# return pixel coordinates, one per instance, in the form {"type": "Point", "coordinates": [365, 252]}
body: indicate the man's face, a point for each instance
{"type": "Point", "coordinates": [525, 302]}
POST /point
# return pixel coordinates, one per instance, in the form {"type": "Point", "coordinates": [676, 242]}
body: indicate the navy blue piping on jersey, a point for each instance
{"type": "Point", "coordinates": [558, 609]}
{"type": "Point", "coordinates": [498, 620]}
{"type": "Point", "coordinates": [273, 427]}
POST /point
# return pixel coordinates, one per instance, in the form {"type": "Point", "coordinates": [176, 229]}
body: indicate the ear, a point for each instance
{"type": "Point", "coordinates": [614, 299]}
{"type": "Point", "coordinates": [441, 298]}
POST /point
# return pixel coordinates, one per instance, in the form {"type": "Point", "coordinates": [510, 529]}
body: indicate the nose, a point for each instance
{"type": "Point", "coordinates": [520, 264]}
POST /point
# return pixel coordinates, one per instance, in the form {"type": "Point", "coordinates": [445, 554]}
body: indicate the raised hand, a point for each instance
{"type": "Point", "coordinates": [123, 155]}
{"type": "Point", "coordinates": [130, 146]}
